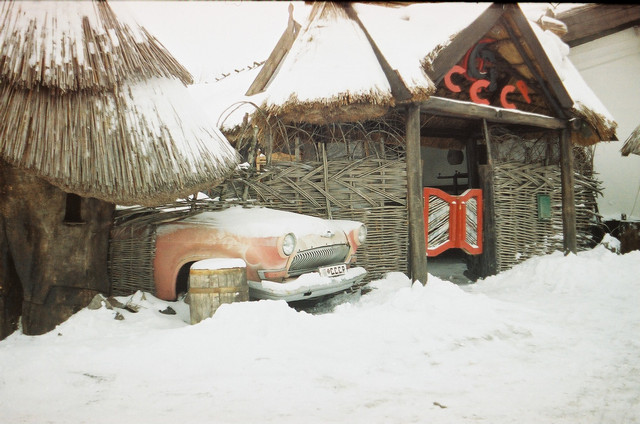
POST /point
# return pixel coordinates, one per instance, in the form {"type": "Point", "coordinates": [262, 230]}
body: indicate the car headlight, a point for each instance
{"type": "Point", "coordinates": [288, 244]}
{"type": "Point", "coordinates": [362, 234]}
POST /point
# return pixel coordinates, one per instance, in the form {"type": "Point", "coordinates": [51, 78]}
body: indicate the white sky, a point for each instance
{"type": "Point", "coordinates": [214, 37]}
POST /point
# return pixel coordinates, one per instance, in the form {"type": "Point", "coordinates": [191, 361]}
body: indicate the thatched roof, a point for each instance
{"type": "Point", "coordinates": [94, 104]}
{"type": "Point", "coordinates": [75, 45]}
{"type": "Point", "coordinates": [632, 144]}
{"type": "Point", "coordinates": [316, 82]}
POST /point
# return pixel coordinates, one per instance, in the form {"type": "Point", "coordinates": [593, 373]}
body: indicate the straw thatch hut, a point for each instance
{"type": "Point", "coordinates": [431, 95]}
{"type": "Point", "coordinates": [95, 113]}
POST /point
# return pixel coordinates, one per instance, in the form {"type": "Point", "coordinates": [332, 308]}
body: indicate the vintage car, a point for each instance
{"type": "Point", "coordinates": [287, 255]}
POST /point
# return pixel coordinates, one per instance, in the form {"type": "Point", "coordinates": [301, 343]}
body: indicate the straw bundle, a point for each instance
{"type": "Point", "coordinates": [605, 129]}
{"type": "Point", "coordinates": [143, 144]}
{"type": "Point", "coordinates": [99, 108]}
{"type": "Point", "coordinates": [77, 45]}
{"type": "Point", "coordinates": [632, 144]}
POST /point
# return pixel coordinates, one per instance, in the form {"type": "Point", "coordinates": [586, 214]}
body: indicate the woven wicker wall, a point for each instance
{"type": "Point", "coordinates": [131, 253]}
{"type": "Point", "coordinates": [519, 233]}
{"type": "Point", "coordinates": [370, 190]}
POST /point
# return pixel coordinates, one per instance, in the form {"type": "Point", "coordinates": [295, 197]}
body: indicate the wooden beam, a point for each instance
{"type": "Point", "coordinates": [279, 52]}
{"type": "Point", "coordinates": [460, 109]}
{"type": "Point", "coordinates": [417, 241]}
{"type": "Point", "coordinates": [463, 41]}
{"type": "Point", "coordinates": [568, 194]}
{"type": "Point", "coordinates": [592, 21]}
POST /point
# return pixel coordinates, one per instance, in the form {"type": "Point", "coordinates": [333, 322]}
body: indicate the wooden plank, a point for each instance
{"type": "Point", "coordinates": [463, 41]}
{"type": "Point", "coordinates": [461, 109]}
{"type": "Point", "coordinates": [568, 193]}
{"type": "Point", "coordinates": [417, 243]}
{"type": "Point", "coordinates": [592, 21]}
{"type": "Point", "coordinates": [279, 52]}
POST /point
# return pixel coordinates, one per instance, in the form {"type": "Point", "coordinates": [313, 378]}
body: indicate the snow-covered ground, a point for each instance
{"type": "Point", "coordinates": [554, 340]}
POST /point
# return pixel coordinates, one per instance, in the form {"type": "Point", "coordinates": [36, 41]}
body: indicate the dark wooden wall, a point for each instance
{"type": "Point", "coordinates": [54, 267]}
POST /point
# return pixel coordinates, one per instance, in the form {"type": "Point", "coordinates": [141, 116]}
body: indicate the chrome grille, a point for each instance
{"type": "Point", "coordinates": [310, 260]}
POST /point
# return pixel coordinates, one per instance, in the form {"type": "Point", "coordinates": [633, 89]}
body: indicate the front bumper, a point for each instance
{"type": "Point", "coordinates": [306, 286]}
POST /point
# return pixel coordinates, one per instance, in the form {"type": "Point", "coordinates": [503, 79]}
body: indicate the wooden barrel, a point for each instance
{"type": "Point", "coordinates": [213, 282]}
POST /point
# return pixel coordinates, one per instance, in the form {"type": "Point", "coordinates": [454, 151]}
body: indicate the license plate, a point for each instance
{"type": "Point", "coordinates": [333, 270]}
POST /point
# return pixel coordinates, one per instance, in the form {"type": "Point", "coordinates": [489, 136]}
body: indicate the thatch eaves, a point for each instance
{"type": "Point", "coordinates": [145, 144]}
{"type": "Point", "coordinates": [632, 143]}
{"type": "Point", "coordinates": [77, 45]}
{"type": "Point", "coordinates": [132, 138]}
{"type": "Point", "coordinates": [316, 82]}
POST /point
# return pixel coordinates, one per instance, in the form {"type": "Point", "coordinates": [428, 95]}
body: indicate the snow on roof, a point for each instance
{"type": "Point", "coordinates": [579, 91]}
{"type": "Point", "coordinates": [406, 35]}
{"type": "Point", "coordinates": [350, 73]}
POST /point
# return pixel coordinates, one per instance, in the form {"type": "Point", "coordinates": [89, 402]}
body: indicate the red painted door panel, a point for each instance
{"type": "Point", "coordinates": [453, 221]}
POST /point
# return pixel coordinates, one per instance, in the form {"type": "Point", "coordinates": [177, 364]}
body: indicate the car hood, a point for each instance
{"type": "Point", "coordinates": [265, 222]}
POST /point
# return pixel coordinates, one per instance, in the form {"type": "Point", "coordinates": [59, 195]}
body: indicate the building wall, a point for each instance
{"type": "Point", "coordinates": [610, 66]}
{"type": "Point", "coordinates": [54, 264]}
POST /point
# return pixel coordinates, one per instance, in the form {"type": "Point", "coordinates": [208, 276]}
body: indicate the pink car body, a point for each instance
{"type": "Point", "coordinates": [258, 236]}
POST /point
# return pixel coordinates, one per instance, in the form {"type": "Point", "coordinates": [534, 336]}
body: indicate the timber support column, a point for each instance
{"type": "Point", "coordinates": [417, 243]}
{"type": "Point", "coordinates": [568, 194]}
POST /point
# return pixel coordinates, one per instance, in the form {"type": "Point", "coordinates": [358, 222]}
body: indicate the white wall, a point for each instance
{"type": "Point", "coordinates": [434, 163]}
{"type": "Point", "coordinates": [611, 67]}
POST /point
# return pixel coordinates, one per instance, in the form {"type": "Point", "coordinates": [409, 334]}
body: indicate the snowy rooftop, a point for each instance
{"type": "Point", "coordinates": [432, 24]}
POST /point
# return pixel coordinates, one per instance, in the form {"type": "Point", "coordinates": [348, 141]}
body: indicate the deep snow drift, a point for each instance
{"type": "Point", "coordinates": [554, 340]}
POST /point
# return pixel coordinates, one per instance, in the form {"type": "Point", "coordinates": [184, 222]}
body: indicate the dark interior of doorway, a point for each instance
{"type": "Point", "coordinates": [451, 265]}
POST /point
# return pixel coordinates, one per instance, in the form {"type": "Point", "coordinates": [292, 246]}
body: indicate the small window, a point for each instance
{"type": "Point", "coordinates": [73, 212]}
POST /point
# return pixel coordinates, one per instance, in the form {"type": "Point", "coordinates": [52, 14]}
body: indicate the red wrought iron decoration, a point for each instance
{"type": "Point", "coordinates": [479, 67]}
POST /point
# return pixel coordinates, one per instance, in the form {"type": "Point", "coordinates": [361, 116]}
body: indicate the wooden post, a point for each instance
{"type": "Point", "coordinates": [325, 167]}
{"type": "Point", "coordinates": [213, 282]}
{"type": "Point", "coordinates": [472, 163]}
{"type": "Point", "coordinates": [489, 258]}
{"type": "Point", "coordinates": [568, 194]}
{"type": "Point", "coordinates": [417, 243]}
{"type": "Point", "coordinates": [251, 155]}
